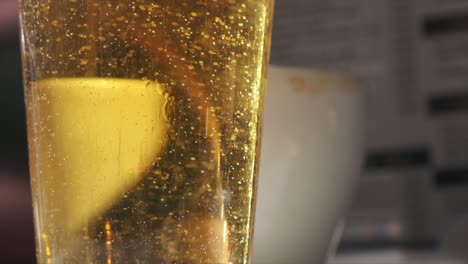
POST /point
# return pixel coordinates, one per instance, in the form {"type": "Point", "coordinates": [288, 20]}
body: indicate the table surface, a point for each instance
{"type": "Point", "coordinates": [393, 257]}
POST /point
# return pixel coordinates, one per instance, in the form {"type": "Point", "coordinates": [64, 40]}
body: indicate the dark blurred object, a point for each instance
{"type": "Point", "coordinates": [16, 225]}
{"type": "Point", "coordinates": [13, 147]}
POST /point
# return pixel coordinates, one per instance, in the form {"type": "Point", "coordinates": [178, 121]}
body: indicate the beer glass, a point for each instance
{"type": "Point", "coordinates": [144, 122]}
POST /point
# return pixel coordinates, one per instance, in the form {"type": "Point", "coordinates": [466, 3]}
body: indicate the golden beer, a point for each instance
{"type": "Point", "coordinates": [144, 121]}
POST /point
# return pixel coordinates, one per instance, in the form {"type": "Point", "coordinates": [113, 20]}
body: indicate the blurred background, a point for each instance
{"type": "Point", "coordinates": [16, 241]}
{"type": "Point", "coordinates": [413, 56]}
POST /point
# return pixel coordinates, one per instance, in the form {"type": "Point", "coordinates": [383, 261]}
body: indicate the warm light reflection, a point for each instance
{"type": "Point", "coordinates": [47, 248]}
{"type": "Point", "coordinates": [225, 238]}
{"type": "Point", "coordinates": [108, 242]}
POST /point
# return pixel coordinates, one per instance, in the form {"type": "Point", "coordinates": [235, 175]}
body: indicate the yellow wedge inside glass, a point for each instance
{"type": "Point", "coordinates": [94, 138]}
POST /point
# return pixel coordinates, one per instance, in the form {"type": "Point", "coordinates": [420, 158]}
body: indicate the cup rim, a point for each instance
{"type": "Point", "coordinates": [303, 78]}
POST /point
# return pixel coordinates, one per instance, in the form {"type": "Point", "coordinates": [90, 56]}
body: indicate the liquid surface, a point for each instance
{"type": "Point", "coordinates": [143, 124]}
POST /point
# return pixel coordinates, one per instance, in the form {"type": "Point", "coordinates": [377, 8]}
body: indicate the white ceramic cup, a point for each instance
{"type": "Point", "coordinates": [311, 158]}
